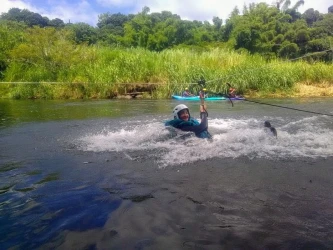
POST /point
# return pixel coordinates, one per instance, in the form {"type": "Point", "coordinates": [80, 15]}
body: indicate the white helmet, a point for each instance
{"type": "Point", "coordinates": [179, 108]}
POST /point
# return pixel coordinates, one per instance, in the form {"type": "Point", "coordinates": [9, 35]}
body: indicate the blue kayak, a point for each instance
{"type": "Point", "coordinates": [209, 98]}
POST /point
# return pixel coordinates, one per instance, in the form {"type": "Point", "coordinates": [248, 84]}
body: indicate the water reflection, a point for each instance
{"type": "Point", "coordinates": [18, 111]}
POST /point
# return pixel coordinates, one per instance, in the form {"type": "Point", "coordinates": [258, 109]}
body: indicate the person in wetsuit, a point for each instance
{"type": "Point", "coordinates": [231, 91]}
{"type": "Point", "coordinates": [187, 93]}
{"type": "Point", "coordinates": [183, 121]}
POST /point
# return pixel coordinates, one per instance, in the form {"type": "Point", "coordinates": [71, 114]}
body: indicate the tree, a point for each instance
{"type": "Point", "coordinates": [311, 16]}
{"type": "Point", "coordinates": [245, 9]}
{"type": "Point", "coordinates": [326, 24]}
{"type": "Point", "coordinates": [289, 50]}
{"type": "Point", "coordinates": [291, 11]}
{"type": "Point", "coordinates": [145, 10]}
{"type": "Point", "coordinates": [279, 39]}
{"type": "Point", "coordinates": [330, 9]}
{"type": "Point", "coordinates": [317, 45]}
{"type": "Point", "coordinates": [248, 38]}
{"type": "Point", "coordinates": [164, 35]}
{"type": "Point", "coordinates": [11, 34]}
{"type": "Point", "coordinates": [256, 30]}
{"type": "Point", "coordinates": [111, 27]}
{"type": "Point", "coordinates": [47, 51]}
{"type": "Point", "coordinates": [83, 33]}
{"type": "Point", "coordinates": [243, 40]}
{"type": "Point", "coordinates": [298, 4]}
{"type": "Point", "coordinates": [290, 35]}
{"type": "Point", "coordinates": [162, 17]}
{"type": "Point", "coordinates": [112, 22]}
{"type": "Point", "coordinates": [217, 29]}
{"type": "Point", "coordinates": [26, 16]}
{"type": "Point", "coordinates": [261, 29]}
{"type": "Point", "coordinates": [235, 12]}
{"type": "Point", "coordinates": [217, 23]}
{"type": "Point", "coordinates": [286, 4]}
{"type": "Point", "coordinates": [294, 14]}
{"type": "Point", "coordinates": [57, 23]}
{"type": "Point", "coordinates": [137, 30]}
{"type": "Point", "coordinates": [302, 36]}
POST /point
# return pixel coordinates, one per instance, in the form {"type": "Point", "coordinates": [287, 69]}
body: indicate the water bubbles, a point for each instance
{"type": "Point", "coordinates": [232, 138]}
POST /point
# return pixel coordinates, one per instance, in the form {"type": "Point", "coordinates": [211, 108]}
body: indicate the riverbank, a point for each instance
{"type": "Point", "coordinates": [324, 89]}
{"type": "Point", "coordinates": [109, 73]}
{"type": "Point", "coordinates": [54, 90]}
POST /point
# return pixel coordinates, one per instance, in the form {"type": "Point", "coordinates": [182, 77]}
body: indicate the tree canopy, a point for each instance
{"type": "Point", "coordinates": [270, 30]}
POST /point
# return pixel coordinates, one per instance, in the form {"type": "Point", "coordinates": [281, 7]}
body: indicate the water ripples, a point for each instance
{"type": "Point", "coordinates": [232, 138]}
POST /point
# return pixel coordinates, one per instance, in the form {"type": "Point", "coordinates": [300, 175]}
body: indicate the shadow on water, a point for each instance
{"type": "Point", "coordinates": [36, 206]}
{"type": "Point", "coordinates": [9, 166]}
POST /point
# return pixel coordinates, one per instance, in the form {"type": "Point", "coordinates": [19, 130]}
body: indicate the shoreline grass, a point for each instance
{"type": "Point", "coordinates": [106, 73]}
{"type": "Point", "coordinates": [84, 91]}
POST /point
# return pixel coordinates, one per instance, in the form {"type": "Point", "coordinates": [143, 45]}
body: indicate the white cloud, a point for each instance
{"type": "Point", "coordinates": [320, 5]}
{"type": "Point", "coordinates": [81, 11]}
{"type": "Point", "coordinates": [187, 9]}
{"type": "Point", "coordinates": [123, 3]}
{"type": "Point", "coordinates": [77, 12]}
{"type": "Point", "coordinates": [207, 9]}
{"type": "Point", "coordinates": [8, 4]}
{"type": "Point", "coordinates": [197, 10]}
{"type": "Point", "coordinates": [204, 9]}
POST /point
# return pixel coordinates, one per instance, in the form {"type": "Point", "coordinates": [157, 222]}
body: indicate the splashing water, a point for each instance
{"type": "Point", "coordinates": [232, 138]}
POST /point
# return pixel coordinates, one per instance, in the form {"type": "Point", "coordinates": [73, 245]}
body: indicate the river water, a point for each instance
{"type": "Point", "coordinates": [107, 174]}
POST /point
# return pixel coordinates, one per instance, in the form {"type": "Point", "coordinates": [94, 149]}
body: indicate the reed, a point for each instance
{"type": "Point", "coordinates": [99, 72]}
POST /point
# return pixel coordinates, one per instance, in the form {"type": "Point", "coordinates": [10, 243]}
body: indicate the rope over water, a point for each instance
{"type": "Point", "coordinates": [269, 104]}
{"type": "Point", "coordinates": [202, 82]}
{"type": "Point", "coordinates": [274, 105]}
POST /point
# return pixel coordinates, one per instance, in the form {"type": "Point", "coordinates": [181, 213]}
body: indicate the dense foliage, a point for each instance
{"type": "Point", "coordinates": [270, 30]}
{"type": "Point", "coordinates": [151, 47]}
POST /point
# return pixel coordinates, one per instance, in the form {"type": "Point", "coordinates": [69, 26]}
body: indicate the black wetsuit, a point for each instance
{"type": "Point", "coordinates": [192, 125]}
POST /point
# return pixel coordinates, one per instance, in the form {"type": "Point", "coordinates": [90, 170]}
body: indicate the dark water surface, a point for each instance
{"type": "Point", "coordinates": [108, 175]}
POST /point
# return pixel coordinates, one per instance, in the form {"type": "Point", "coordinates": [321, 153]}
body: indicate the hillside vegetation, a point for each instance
{"type": "Point", "coordinates": [265, 50]}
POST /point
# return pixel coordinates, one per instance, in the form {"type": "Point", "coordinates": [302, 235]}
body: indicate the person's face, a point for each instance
{"type": "Point", "coordinates": [184, 115]}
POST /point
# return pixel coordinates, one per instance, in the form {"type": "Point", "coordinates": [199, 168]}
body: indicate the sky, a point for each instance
{"type": "Point", "coordinates": [87, 11]}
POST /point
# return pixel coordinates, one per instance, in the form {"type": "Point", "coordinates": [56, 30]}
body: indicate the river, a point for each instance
{"type": "Point", "coordinates": [107, 174]}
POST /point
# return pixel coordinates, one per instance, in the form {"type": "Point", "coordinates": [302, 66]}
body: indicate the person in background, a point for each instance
{"type": "Point", "coordinates": [231, 91]}
{"type": "Point", "coordinates": [202, 93]}
{"type": "Point", "coordinates": [183, 121]}
{"type": "Point", "coordinates": [187, 93]}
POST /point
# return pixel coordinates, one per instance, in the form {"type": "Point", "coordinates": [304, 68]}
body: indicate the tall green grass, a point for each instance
{"type": "Point", "coordinates": [99, 72]}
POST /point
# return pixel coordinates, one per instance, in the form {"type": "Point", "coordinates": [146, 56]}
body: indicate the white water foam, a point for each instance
{"type": "Point", "coordinates": [308, 137]}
